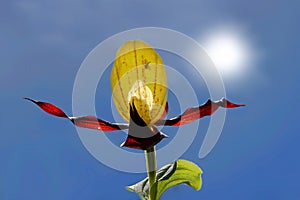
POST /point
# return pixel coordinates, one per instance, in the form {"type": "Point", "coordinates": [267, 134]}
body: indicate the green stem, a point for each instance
{"type": "Point", "coordinates": [151, 168]}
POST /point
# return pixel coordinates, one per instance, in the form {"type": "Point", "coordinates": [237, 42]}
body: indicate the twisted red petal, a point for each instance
{"type": "Point", "coordinates": [192, 114]}
{"type": "Point", "coordinates": [84, 122]}
{"type": "Point", "coordinates": [49, 108]}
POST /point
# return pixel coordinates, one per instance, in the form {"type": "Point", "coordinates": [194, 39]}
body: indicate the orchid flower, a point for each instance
{"type": "Point", "coordinates": [139, 90]}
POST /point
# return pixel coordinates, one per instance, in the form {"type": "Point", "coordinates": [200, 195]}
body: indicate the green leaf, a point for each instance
{"type": "Point", "coordinates": [185, 172]}
{"type": "Point", "coordinates": [180, 172]}
{"type": "Point", "coordinates": [141, 188]}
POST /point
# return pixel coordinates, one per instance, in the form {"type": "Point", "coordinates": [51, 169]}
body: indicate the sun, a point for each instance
{"type": "Point", "coordinates": [228, 50]}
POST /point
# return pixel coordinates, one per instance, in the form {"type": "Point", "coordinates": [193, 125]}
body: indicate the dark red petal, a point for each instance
{"type": "Point", "coordinates": [49, 108]}
{"type": "Point", "coordinates": [84, 122]}
{"type": "Point", "coordinates": [192, 114]}
{"type": "Point", "coordinates": [140, 135]}
{"type": "Point", "coordinates": [143, 143]}
{"type": "Point", "coordinates": [95, 123]}
{"type": "Point", "coordinates": [166, 111]}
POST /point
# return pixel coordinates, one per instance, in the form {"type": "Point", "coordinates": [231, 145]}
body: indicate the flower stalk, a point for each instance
{"type": "Point", "coordinates": [150, 155]}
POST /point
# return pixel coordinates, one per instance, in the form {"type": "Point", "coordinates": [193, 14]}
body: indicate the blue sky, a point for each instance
{"type": "Point", "coordinates": [42, 47]}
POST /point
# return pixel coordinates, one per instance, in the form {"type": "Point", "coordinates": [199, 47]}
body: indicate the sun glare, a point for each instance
{"type": "Point", "coordinates": [229, 50]}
